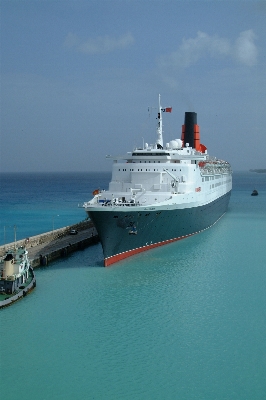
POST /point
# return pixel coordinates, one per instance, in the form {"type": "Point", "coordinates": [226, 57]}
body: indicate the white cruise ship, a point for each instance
{"type": "Point", "coordinates": [160, 193]}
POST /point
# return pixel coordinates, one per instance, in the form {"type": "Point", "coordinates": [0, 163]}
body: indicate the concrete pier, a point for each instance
{"type": "Point", "coordinates": [59, 243]}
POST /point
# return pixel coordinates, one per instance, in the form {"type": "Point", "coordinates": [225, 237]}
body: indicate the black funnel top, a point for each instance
{"type": "Point", "coordinates": [190, 121]}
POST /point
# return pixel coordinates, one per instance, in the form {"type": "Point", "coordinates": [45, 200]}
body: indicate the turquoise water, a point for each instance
{"type": "Point", "coordinates": [38, 202]}
{"type": "Point", "coordinates": [184, 321]}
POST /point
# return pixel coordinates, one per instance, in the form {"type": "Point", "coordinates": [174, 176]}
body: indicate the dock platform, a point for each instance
{"type": "Point", "coordinates": [52, 245]}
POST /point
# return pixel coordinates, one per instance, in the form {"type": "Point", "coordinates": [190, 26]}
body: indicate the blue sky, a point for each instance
{"type": "Point", "coordinates": [77, 78]}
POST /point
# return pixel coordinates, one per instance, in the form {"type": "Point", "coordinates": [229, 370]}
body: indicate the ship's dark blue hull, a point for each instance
{"type": "Point", "coordinates": [127, 232]}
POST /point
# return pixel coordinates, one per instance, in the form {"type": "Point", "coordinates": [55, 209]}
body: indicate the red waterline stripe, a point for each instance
{"type": "Point", "coordinates": [118, 257]}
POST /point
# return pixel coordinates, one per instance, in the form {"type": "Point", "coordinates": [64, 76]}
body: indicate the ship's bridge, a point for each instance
{"type": "Point", "coordinates": [160, 156]}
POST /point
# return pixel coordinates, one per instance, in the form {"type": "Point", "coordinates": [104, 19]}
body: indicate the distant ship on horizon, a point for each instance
{"type": "Point", "coordinates": [263, 171]}
{"type": "Point", "coordinates": [160, 193]}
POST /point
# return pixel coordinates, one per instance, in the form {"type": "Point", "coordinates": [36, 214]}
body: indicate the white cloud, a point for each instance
{"type": "Point", "coordinates": [192, 50]}
{"type": "Point", "coordinates": [100, 44]}
{"type": "Point", "coordinates": [245, 50]}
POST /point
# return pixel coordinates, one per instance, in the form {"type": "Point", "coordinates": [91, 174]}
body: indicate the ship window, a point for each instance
{"type": "Point", "coordinates": [150, 154]}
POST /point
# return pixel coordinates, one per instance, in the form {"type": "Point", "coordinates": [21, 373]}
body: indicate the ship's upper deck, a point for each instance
{"type": "Point", "coordinates": [153, 174]}
{"type": "Point", "coordinates": [150, 154]}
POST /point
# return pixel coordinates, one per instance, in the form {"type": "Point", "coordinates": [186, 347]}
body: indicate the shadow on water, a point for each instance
{"type": "Point", "coordinates": [89, 257]}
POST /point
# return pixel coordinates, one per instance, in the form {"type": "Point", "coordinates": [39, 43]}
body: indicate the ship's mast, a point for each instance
{"type": "Point", "coordinates": [159, 140]}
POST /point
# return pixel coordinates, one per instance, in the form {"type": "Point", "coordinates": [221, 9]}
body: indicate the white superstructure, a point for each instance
{"type": "Point", "coordinates": [179, 175]}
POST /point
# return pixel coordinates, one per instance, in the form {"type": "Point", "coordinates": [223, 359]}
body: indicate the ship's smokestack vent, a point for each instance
{"type": "Point", "coordinates": [188, 128]}
{"type": "Point", "coordinates": [191, 133]}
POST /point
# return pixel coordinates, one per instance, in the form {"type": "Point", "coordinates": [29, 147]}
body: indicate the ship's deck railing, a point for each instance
{"type": "Point", "coordinates": [214, 167]}
{"type": "Point", "coordinates": [117, 202]}
{"type": "Point", "coordinates": [214, 171]}
{"type": "Point", "coordinates": [110, 203]}
{"type": "Point", "coordinates": [120, 203]}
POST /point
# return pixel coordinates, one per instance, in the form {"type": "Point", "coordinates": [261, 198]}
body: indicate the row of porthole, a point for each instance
{"type": "Point", "coordinates": [148, 170]}
{"type": "Point", "coordinates": [146, 215]}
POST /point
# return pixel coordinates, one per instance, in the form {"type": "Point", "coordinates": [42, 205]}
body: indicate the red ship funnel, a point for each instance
{"type": "Point", "coordinates": [191, 131]}
{"type": "Point", "coordinates": [188, 128]}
